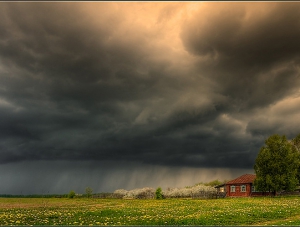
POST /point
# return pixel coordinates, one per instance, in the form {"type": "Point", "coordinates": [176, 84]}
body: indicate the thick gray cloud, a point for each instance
{"type": "Point", "coordinates": [249, 49]}
{"type": "Point", "coordinates": [160, 85]}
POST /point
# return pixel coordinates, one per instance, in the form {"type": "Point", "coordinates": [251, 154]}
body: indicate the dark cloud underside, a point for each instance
{"type": "Point", "coordinates": [169, 84]}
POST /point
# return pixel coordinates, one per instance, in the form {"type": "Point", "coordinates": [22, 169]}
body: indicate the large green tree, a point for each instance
{"type": "Point", "coordinates": [276, 165]}
{"type": "Point", "coordinates": [296, 145]}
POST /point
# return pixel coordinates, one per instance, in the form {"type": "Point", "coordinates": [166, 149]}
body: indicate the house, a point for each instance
{"type": "Point", "coordinates": [220, 188]}
{"type": "Point", "coordinates": [241, 186]}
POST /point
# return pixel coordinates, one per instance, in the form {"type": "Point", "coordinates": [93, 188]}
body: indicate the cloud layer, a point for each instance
{"type": "Point", "coordinates": [176, 85]}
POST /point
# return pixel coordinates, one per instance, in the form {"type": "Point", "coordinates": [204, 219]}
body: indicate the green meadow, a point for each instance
{"type": "Point", "coordinates": [101, 212]}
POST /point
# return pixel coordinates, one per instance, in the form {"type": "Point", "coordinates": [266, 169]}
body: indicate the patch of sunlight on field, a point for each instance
{"type": "Point", "coordinates": [228, 211]}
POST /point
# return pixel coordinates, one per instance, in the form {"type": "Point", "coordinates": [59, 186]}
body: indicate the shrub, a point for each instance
{"type": "Point", "coordinates": [158, 193]}
{"type": "Point", "coordinates": [71, 194]}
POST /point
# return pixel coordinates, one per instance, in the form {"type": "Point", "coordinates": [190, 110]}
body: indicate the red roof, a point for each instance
{"type": "Point", "coordinates": [244, 179]}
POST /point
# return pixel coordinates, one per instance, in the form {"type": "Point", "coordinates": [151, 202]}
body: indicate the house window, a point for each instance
{"type": "Point", "coordinates": [253, 189]}
{"type": "Point", "coordinates": [243, 188]}
{"type": "Point", "coordinates": [232, 188]}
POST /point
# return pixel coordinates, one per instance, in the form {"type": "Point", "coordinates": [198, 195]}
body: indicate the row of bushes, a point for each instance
{"type": "Point", "coordinates": [197, 191]}
{"type": "Point", "coordinates": [140, 193]}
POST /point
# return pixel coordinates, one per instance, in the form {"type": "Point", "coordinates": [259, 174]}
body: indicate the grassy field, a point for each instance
{"type": "Point", "coordinates": [228, 211]}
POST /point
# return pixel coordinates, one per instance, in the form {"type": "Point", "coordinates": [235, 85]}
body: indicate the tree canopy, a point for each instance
{"type": "Point", "coordinates": [88, 192]}
{"type": "Point", "coordinates": [296, 145]}
{"type": "Point", "coordinates": [277, 164]}
{"type": "Point", "coordinates": [71, 194]}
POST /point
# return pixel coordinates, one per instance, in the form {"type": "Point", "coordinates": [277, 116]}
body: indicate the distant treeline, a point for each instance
{"type": "Point", "coordinates": [34, 196]}
{"type": "Point", "coordinates": [103, 195]}
{"type": "Point", "coordinates": [97, 195]}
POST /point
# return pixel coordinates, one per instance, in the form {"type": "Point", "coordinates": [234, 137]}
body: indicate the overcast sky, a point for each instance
{"type": "Point", "coordinates": [132, 94]}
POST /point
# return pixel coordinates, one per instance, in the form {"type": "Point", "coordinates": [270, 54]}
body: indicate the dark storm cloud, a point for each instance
{"type": "Point", "coordinates": [160, 84]}
{"type": "Point", "coordinates": [250, 49]}
{"type": "Point", "coordinates": [249, 33]}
